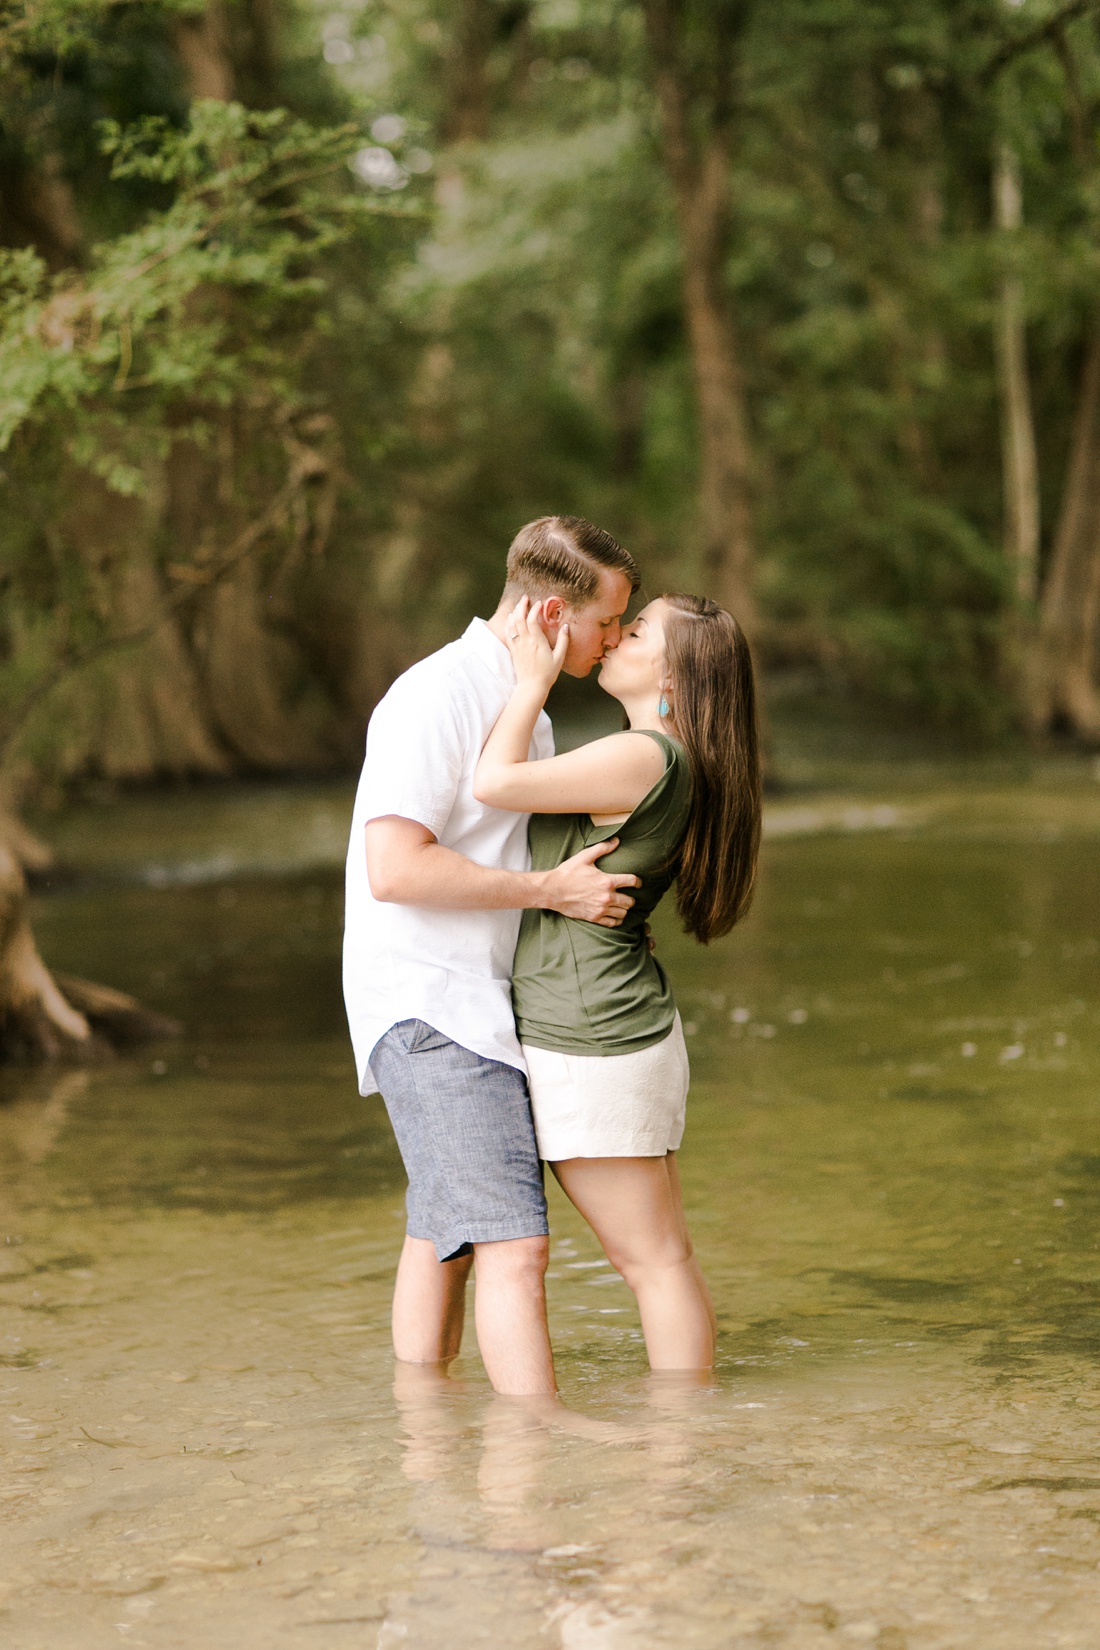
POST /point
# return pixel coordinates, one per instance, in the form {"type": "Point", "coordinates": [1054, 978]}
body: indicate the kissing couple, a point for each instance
{"type": "Point", "coordinates": [500, 989]}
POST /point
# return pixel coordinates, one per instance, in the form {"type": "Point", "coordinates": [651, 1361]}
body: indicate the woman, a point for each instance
{"type": "Point", "coordinates": [596, 1017]}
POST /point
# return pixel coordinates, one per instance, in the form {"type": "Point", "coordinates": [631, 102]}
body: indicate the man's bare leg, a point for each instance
{"type": "Point", "coordinates": [429, 1304]}
{"type": "Point", "coordinates": [510, 1313]}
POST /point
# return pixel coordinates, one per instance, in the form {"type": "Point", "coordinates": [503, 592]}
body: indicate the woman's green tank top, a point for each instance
{"type": "Point", "coordinates": [582, 989]}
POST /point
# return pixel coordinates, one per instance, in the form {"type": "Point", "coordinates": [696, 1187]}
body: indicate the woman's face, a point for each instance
{"type": "Point", "coordinates": [637, 666]}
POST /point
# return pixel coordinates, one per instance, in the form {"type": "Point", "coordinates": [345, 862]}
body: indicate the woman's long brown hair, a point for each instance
{"type": "Point", "coordinates": [714, 717]}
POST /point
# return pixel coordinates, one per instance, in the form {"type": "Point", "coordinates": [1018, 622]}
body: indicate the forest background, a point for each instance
{"type": "Point", "coordinates": [304, 308]}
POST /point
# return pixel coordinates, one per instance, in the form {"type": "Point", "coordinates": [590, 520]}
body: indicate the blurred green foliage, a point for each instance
{"type": "Point", "coordinates": [863, 274]}
{"type": "Point", "coordinates": [451, 272]}
{"type": "Point", "coordinates": [195, 305]}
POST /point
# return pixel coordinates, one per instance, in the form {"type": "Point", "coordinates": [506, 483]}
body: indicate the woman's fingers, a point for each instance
{"type": "Point", "coordinates": [536, 621]}
{"type": "Point", "coordinates": [516, 621]}
{"type": "Point", "coordinates": [534, 657]}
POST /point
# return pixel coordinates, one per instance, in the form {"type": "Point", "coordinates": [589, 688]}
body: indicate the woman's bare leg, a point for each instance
{"type": "Point", "coordinates": [674, 1180]}
{"type": "Point", "coordinates": [633, 1205]}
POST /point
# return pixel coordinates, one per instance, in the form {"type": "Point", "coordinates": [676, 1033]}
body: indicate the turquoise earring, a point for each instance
{"type": "Point", "coordinates": [663, 707]}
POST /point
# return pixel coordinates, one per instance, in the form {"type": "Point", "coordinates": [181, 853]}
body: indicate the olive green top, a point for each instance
{"type": "Point", "coordinates": [582, 989]}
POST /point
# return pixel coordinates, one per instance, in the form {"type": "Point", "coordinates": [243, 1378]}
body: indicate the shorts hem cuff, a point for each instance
{"type": "Point", "coordinates": [494, 1232]}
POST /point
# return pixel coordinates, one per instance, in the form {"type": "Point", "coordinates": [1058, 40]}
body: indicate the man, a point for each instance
{"type": "Point", "coordinates": [436, 882]}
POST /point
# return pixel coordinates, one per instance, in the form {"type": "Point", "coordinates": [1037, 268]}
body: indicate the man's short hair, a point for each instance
{"type": "Point", "coordinates": [562, 556]}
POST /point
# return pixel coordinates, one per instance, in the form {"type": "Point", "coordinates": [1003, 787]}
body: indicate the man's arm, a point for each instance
{"type": "Point", "coordinates": [407, 866]}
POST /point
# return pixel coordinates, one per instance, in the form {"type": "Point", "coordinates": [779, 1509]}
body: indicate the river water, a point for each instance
{"type": "Point", "coordinates": [892, 1169]}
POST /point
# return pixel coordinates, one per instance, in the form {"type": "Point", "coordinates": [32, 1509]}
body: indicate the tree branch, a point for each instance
{"type": "Point", "coordinates": [1077, 108]}
{"type": "Point", "coordinates": [1043, 34]}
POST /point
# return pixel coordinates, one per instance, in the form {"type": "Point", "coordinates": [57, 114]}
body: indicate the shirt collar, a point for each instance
{"type": "Point", "coordinates": [491, 651]}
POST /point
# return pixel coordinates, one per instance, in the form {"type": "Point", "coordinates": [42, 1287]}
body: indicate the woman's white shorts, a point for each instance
{"type": "Point", "coordinates": [613, 1105]}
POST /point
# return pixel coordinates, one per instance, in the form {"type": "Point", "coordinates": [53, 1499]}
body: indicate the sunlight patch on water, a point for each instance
{"type": "Point", "coordinates": [840, 815]}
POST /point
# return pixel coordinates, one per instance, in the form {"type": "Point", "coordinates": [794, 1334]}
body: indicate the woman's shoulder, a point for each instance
{"type": "Point", "coordinates": [626, 751]}
{"type": "Point", "coordinates": [668, 800]}
{"type": "Point", "coordinates": [673, 757]}
{"type": "Point", "coordinates": [672, 748]}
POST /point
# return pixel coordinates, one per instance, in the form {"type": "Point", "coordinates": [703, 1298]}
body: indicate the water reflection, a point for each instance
{"type": "Point", "coordinates": [500, 1458]}
{"type": "Point", "coordinates": [33, 1110]}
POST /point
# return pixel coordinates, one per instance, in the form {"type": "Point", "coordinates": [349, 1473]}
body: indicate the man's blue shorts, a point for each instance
{"type": "Point", "coordinates": [464, 1129]}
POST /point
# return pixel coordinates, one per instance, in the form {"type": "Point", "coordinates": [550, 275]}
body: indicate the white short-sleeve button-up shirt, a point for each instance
{"type": "Point", "coordinates": [405, 962]}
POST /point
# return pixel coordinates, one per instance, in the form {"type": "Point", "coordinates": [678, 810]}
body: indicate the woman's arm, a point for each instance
{"type": "Point", "coordinates": [608, 776]}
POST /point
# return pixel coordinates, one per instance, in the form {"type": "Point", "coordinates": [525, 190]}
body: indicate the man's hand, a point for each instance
{"type": "Point", "coordinates": [407, 866]}
{"type": "Point", "coordinates": [576, 889]}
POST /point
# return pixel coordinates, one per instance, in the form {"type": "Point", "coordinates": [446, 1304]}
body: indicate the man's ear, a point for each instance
{"type": "Point", "coordinates": [553, 611]}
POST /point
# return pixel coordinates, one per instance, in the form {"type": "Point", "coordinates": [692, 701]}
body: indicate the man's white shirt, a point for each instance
{"type": "Point", "coordinates": [405, 962]}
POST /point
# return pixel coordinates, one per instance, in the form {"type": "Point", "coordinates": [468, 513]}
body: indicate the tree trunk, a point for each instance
{"type": "Point", "coordinates": [477, 28]}
{"type": "Point", "coordinates": [1020, 466]}
{"type": "Point", "coordinates": [157, 722]}
{"type": "Point", "coordinates": [259, 55]}
{"type": "Point", "coordinates": [203, 47]}
{"type": "Point", "coordinates": [38, 208]}
{"type": "Point", "coordinates": [699, 171]}
{"type": "Point", "coordinates": [725, 510]}
{"type": "Point", "coordinates": [468, 102]}
{"type": "Point", "coordinates": [922, 132]}
{"type": "Point", "coordinates": [1064, 686]}
{"type": "Point", "coordinates": [36, 1021]}
{"type": "Point", "coordinates": [43, 1018]}
{"type": "Point", "coordinates": [152, 718]}
{"type": "Point", "coordinates": [248, 674]}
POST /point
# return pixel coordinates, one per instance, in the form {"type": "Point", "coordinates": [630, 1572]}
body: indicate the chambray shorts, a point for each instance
{"type": "Point", "coordinates": [466, 1137]}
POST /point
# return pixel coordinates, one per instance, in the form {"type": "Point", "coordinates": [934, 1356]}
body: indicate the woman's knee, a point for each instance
{"type": "Point", "coordinates": [650, 1265]}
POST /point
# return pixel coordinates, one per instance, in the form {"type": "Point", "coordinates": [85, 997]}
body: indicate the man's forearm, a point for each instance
{"type": "Point", "coordinates": [437, 877]}
{"type": "Point", "coordinates": [407, 866]}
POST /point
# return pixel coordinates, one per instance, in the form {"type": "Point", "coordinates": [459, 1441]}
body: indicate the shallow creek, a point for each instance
{"type": "Point", "coordinates": [893, 1174]}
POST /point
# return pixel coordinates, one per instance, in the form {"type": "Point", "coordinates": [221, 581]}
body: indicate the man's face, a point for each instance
{"type": "Point", "coordinates": [593, 628]}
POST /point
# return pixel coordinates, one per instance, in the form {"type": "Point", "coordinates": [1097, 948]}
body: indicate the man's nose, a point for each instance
{"type": "Point", "coordinates": [612, 639]}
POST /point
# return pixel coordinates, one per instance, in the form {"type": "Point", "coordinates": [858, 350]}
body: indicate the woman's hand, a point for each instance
{"type": "Point", "coordinates": [535, 660]}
